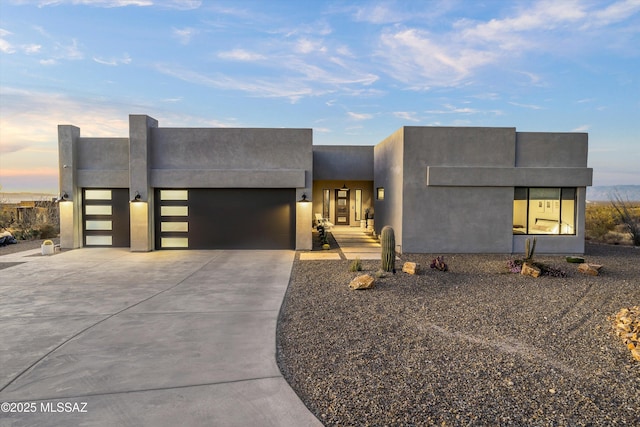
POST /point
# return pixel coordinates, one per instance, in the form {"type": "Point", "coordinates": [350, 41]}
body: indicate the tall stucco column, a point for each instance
{"type": "Point", "coordinates": [71, 200]}
{"type": "Point", "coordinates": [303, 221]}
{"type": "Point", "coordinates": [141, 208]}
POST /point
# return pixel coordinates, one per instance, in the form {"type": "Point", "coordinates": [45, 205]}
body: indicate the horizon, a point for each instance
{"type": "Point", "coordinates": [354, 72]}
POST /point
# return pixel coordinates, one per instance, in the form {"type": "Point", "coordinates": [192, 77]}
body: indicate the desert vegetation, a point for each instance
{"type": "Point", "coordinates": [30, 220]}
{"type": "Point", "coordinates": [616, 222]}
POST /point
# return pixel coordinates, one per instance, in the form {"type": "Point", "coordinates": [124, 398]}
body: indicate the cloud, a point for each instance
{"type": "Point", "coordinates": [583, 128]}
{"type": "Point", "coordinates": [359, 116]}
{"type": "Point", "coordinates": [418, 59]}
{"type": "Point", "coordinates": [240, 55]}
{"type": "Point", "coordinates": [452, 57]}
{"type": "Point", "coordinates": [530, 106]}
{"type": "Point", "coordinates": [306, 46]}
{"type": "Point", "coordinates": [406, 115]}
{"type": "Point", "coordinates": [184, 35]}
{"type": "Point", "coordinates": [126, 59]}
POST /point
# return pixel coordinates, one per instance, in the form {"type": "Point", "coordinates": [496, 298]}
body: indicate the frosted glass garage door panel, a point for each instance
{"type": "Point", "coordinates": [174, 226]}
{"type": "Point", "coordinates": [98, 225]}
{"type": "Point", "coordinates": [97, 194]}
{"type": "Point", "coordinates": [174, 194]}
{"type": "Point", "coordinates": [98, 210]}
{"type": "Point", "coordinates": [98, 240]}
{"type": "Point", "coordinates": [174, 210]}
{"type": "Point", "coordinates": [174, 242]}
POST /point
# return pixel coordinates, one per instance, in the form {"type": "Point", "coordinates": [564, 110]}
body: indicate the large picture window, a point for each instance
{"type": "Point", "coordinates": [544, 210]}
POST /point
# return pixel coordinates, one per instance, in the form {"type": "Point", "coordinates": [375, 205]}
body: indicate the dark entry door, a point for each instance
{"type": "Point", "coordinates": [342, 207]}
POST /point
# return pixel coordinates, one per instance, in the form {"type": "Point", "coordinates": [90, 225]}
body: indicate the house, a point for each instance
{"type": "Point", "coordinates": [443, 189]}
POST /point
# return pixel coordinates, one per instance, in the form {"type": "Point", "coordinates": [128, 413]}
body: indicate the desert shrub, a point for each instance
{"type": "Point", "coordinates": [356, 265]}
{"type": "Point", "coordinates": [599, 220]}
{"type": "Point", "coordinates": [26, 234]}
{"type": "Point", "coordinates": [629, 216]}
{"type": "Point", "coordinates": [48, 231]}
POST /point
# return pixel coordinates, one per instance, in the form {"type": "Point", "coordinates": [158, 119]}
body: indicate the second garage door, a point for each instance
{"type": "Point", "coordinates": [227, 218]}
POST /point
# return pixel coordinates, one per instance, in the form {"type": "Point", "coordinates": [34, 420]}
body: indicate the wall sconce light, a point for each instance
{"type": "Point", "coordinates": [137, 197]}
{"type": "Point", "coordinates": [380, 193]}
{"type": "Point", "coordinates": [64, 196]}
{"type": "Point", "coordinates": [304, 199]}
{"type": "Point", "coordinates": [344, 186]}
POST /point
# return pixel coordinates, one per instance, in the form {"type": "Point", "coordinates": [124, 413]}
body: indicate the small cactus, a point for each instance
{"type": "Point", "coordinates": [388, 243]}
{"type": "Point", "coordinates": [529, 249]}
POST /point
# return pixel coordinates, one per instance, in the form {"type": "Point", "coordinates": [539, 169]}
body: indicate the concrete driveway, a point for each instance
{"type": "Point", "coordinates": [106, 337]}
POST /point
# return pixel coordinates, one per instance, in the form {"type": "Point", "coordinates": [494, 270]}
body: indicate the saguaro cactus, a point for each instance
{"type": "Point", "coordinates": [388, 242]}
{"type": "Point", "coordinates": [529, 249]}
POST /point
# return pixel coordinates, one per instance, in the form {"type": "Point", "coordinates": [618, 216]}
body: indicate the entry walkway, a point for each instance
{"type": "Point", "coordinates": [103, 337]}
{"type": "Point", "coordinates": [356, 243]}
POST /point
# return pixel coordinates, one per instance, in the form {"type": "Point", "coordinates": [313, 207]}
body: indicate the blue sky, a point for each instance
{"type": "Point", "coordinates": [353, 71]}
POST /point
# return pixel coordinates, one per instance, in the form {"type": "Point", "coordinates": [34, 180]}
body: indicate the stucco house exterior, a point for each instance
{"type": "Point", "coordinates": [443, 189]}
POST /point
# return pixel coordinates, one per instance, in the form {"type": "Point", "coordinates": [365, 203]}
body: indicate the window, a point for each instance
{"type": "Point", "coordinates": [358, 210]}
{"type": "Point", "coordinates": [326, 201]}
{"type": "Point", "coordinates": [544, 210]}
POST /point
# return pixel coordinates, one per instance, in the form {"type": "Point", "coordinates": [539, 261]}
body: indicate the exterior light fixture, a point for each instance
{"type": "Point", "coordinates": [137, 197]}
{"type": "Point", "coordinates": [344, 186]}
{"type": "Point", "coordinates": [61, 197]}
{"type": "Point", "coordinates": [304, 199]}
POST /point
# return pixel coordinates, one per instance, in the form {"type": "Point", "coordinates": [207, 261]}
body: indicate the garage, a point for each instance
{"type": "Point", "coordinates": [105, 217]}
{"type": "Point", "coordinates": [225, 218]}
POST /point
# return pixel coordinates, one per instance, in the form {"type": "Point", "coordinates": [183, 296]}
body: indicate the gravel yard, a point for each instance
{"type": "Point", "coordinates": [472, 346]}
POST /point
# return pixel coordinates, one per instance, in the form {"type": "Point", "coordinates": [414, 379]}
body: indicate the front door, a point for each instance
{"type": "Point", "coordinates": [342, 207]}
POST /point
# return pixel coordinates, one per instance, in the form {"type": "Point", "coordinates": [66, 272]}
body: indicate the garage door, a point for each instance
{"type": "Point", "coordinates": [227, 218]}
{"type": "Point", "coordinates": [105, 219]}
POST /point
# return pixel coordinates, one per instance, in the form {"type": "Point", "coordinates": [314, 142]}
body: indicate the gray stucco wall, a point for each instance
{"type": "Point", "coordinates": [460, 217]}
{"type": "Point", "coordinates": [458, 186]}
{"type": "Point", "coordinates": [388, 173]}
{"type": "Point", "coordinates": [103, 162]}
{"type": "Point", "coordinates": [544, 149]}
{"type": "Point", "coordinates": [222, 157]}
{"type": "Point", "coordinates": [343, 162]}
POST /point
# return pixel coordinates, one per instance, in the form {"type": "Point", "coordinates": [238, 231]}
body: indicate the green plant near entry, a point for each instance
{"type": "Point", "coordinates": [529, 249]}
{"type": "Point", "coordinates": [379, 274]}
{"type": "Point", "coordinates": [356, 265]}
{"type": "Point", "coordinates": [388, 243]}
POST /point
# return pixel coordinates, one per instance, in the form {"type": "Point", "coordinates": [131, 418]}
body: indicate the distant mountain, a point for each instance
{"type": "Point", "coordinates": [24, 197]}
{"type": "Point", "coordinates": [606, 193]}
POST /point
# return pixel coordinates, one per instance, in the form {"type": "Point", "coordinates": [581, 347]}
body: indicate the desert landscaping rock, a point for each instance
{"type": "Point", "coordinates": [530, 270]}
{"type": "Point", "coordinates": [591, 269]}
{"type": "Point", "coordinates": [410, 267]}
{"type": "Point", "coordinates": [476, 346]}
{"type": "Point", "coordinates": [363, 281]}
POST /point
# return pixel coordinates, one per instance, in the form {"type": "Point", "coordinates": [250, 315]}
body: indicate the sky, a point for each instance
{"type": "Point", "coordinates": [353, 71]}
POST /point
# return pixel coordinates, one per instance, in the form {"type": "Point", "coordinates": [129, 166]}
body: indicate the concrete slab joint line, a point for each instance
{"type": "Point", "coordinates": [157, 338]}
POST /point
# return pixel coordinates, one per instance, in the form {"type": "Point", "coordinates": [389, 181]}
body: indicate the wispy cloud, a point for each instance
{"type": "Point", "coordinates": [165, 4]}
{"type": "Point", "coordinates": [406, 115]}
{"type": "Point", "coordinates": [184, 35]}
{"type": "Point", "coordinates": [240, 55]}
{"type": "Point", "coordinates": [359, 116]}
{"type": "Point", "coordinates": [530, 106]}
{"type": "Point", "coordinates": [583, 128]}
{"type": "Point", "coordinates": [451, 109]}
{"type": "Point", "coordinates": [126, 59]}
{"type": "Point", "coordinates": [422, 59]}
